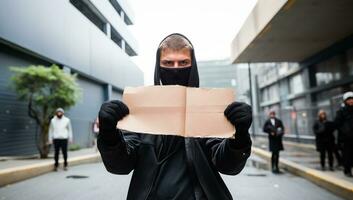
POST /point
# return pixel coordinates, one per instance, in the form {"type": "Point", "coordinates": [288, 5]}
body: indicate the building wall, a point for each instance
{"type": "Point", "coordinates": [282, 87]}
{"type": "Point", "coordinates": [297, 91]}
{"type": "Point", "coordinates": [58, 31]}
{"type": "Point", "coordinates": [17, 130]}
{"type": "Point", "coordinates": [84, 113]}
{"type": "Point", "coordinates": [223, 74]}
{"type": "Point", "coordinates": [117, 95]}
{"type": "Point", "coordinates": [43, 32]}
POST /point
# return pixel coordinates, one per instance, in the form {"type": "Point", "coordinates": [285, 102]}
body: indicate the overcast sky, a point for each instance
{"type": "Point", "coordinates": [210, 25]}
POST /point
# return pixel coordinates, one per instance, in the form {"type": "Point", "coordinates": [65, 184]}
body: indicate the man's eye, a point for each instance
{"type": "Point", "coordinates": [184, 63]}
{"type": "Point", "coordinates": [168, 63]}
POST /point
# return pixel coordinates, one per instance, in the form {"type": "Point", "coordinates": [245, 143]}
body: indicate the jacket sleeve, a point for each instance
{"type": "Point", "coordinates": [266, 129]}
{"type": "Point", "coordinates": [229, 156]}
{"type": "Point", "coordinates": [320, 130]}
{"type": "Point", "coordinates": [51, 132]}
{"type": "Point", "coordinates": [119, 156]}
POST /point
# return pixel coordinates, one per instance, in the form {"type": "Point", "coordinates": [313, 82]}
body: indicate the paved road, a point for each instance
{"type": "Point", "coordinates": [251, 184]}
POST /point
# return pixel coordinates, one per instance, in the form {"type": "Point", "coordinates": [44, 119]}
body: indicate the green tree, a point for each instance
{"type": "Point", "coordinates": [45, 89]}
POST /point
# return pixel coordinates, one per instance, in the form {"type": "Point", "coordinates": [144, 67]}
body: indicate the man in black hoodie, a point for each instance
{"type": "Point", "coordinates": [344, 124]}
{"type": "Point", "coordinates": [174, 167]}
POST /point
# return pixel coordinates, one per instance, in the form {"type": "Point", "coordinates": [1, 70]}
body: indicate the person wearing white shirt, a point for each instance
{"type": "Point", "coordinates": [60, 133]}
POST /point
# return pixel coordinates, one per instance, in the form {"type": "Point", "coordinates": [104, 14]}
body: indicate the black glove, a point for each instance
{"type": "Point", "coordinates": [109, 114]}
{"type": "Point", "coordinates": [240, 115]}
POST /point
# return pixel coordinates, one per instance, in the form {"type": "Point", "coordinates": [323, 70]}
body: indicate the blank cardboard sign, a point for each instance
{"type": "Point", "coordinates": [178, 110]}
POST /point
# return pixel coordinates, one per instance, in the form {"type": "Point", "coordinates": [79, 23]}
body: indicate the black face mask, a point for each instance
{"type": "Point", "coordinates": [175, 76]}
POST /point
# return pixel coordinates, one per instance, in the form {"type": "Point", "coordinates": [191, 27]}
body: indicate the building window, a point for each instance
{"type": "Point", "coordinates": [270, 93]}
{"type": "Point", "coordinates": [91, 13]}
{"type": "Point", "coordinates": [283, 69]}
{"type": "Point", "coordinates": [286, 68]}
{"type": "Point", "coordinates": [116, 37]}
{"type": "Point", "coordinates": [273, 92]}
{"type": "Point", "coordinates": [120, 11]}
{"type": "Point", "coordinates": [330, 70]}
{"type": "Point", "coordinates": [268, 73]}
{"type": "Point", "coordinates": [296, 84]}
{"type": "Point", "coordinates": [129, 50]}
{"type": "Point", "coordinates": [116, 6]}
{"type": "Point", "coordinates": [329, 100]}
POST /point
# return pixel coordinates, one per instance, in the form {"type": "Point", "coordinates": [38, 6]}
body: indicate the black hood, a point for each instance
{"type": "Point", "coordinates": [194, 74]}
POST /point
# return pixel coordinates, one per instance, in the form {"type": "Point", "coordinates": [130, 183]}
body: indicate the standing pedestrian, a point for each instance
{"type": "Point", "coordinates": [325, 140]}
{"type": "Point", "coordinates": [344, 123]}
{"type": "Point", "coordinates": [95, 130]}
{"type": "Point", "coordinates": [60, 133]}
{"type": "Point", "coordinates": [275, 130]}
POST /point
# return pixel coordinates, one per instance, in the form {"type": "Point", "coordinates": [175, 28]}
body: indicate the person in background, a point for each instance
{"type": "Point", "coordinates": [95, 130]}
{"type": "Point", "coordinates": [275, 130]}
{"type": "Point", "coordinates": [60, 133]}
{"type": "Point", "coordinates": [344, 124]}
{"type": "Point", "coordinates": [325, 140]}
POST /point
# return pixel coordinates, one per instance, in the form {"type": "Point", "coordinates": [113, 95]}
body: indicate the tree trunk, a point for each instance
{"type": "Point", "coordinates": [43, 140]}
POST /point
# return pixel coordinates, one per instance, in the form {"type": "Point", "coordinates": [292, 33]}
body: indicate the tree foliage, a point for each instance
{"type": "Point", "coordinates": [45, 89]}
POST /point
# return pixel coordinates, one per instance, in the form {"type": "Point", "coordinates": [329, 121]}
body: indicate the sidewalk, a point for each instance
{"type": "Point", "coordinates": [14, 169]}
{"type": "Point", "coordinates": [303, 160]}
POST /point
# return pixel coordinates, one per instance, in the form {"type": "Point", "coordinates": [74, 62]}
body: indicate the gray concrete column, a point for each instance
{"type": "Point", "coordinates": [108, 92]}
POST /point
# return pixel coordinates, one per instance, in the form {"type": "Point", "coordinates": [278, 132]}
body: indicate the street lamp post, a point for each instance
{"type": "Point", "coordinates": [251, 99]}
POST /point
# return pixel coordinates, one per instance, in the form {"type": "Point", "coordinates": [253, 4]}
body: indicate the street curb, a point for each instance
{"type": "Point", "coordinates": [294, 144]}
{"type": "Point", "coordinates": [16, 174]}
{"type": "Point", "coordinates": [300, 145]}
{"type": "Point", "coordinates": [337, 186]}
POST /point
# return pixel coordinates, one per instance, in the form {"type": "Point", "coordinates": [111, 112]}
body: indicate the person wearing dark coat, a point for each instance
{"type": "Point", "coordinates": [344, 124]}
{"type": "Point", "coordinates": [174, 167]}
{"type": "Point", "coordinates": [337, 149]}
{"type": "Point", "coordinates": [275, 130]}
{"type": "Point", "coordinates": [325, 140]}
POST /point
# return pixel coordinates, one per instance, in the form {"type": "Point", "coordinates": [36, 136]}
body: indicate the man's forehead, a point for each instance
{"type": "Point", "coordinates": [171, 53]}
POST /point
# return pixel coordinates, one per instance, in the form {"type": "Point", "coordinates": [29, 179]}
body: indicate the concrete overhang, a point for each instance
{"type": "Point", "coordinates": [291, 30]}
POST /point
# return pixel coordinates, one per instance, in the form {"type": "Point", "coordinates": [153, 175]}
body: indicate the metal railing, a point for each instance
{"type": "Point", "coordinates": [298, 122]}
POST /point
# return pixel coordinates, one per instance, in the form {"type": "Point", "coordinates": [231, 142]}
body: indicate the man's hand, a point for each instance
{"type": "Point", "coordinates": [110, 113]}
{"type": "Point", "coordinates": [240, 115]}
